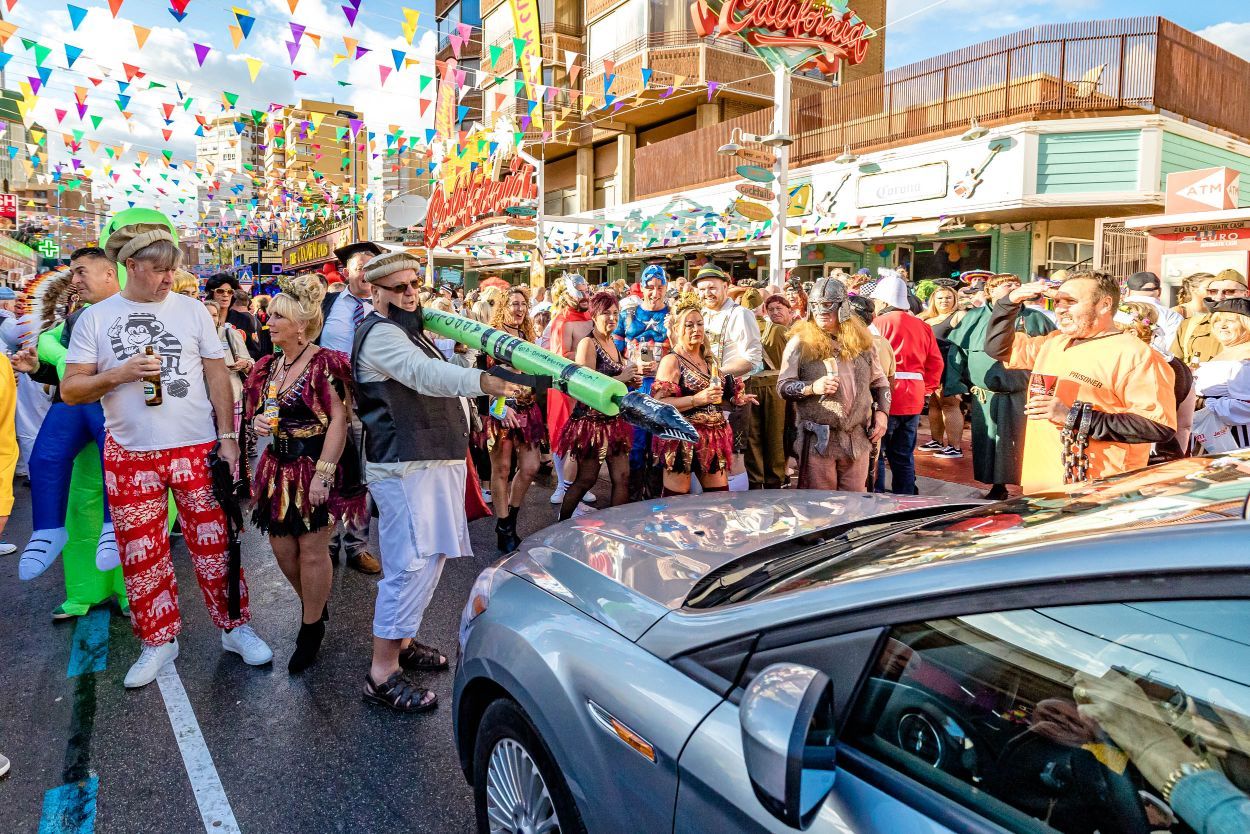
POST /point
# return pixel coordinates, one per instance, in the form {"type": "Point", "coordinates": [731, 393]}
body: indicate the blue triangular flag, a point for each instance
{"type": "Point", "coordinates": [178, 16]}
{"type": "Point", "coordinates": [76, 15]}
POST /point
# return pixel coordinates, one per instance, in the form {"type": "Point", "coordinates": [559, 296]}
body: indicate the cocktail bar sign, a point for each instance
{"type": "Point", "coordinates": [792, 33]}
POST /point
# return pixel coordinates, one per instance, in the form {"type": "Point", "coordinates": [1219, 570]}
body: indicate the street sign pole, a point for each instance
{"type": "Point", "coordinates": [781, 127]}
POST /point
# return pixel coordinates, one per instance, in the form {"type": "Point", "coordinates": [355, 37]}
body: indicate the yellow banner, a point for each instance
{"type": "Point", "coordinates": [525, 21]}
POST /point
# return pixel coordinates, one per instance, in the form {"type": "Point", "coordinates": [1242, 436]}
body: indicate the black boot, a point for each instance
{"type": "Point", "coordinates": [504, 532]}
{"type": "Point", "coordinates": [307, 644]}
{"type": "Point", "coordinates": [514, 541]}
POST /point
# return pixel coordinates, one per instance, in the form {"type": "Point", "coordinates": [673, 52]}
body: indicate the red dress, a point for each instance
{"type": "Point", "coordinates": [286, 468]}
{"type": "Point", "coordinates": [917, 358]}
{"type": "Point", "coordinates": [559, 405]}
{"type": "Point", "coordinates": [714, 450]}
{"type": "Point", "coordinates": [590, 433]}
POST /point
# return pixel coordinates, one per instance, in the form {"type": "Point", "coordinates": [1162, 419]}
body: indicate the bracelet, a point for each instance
{"type": "Point", "coordinates": [228, 435]}
{"type": "Point", "coordinates": [326, 469]}
{"type": "Point", "coordinates": [1187, 769]}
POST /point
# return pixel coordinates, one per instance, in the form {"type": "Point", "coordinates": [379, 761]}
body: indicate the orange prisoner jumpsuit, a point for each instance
{"type": "Point", "coordinates": [1117, 374]}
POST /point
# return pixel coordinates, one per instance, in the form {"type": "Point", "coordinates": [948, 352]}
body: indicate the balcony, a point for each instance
{"type": "Point", "coordinates": [685, 57]}
{"type": "Point", "coordinates": [557, 37]}
{"type": "Point", "coordinates": [1113, 67]}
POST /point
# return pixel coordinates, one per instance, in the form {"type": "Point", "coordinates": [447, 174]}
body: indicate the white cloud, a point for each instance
{"type": "Point", "coordinates": [168, 56]}
{"type": "Point", "coordinates": [1235, 37]}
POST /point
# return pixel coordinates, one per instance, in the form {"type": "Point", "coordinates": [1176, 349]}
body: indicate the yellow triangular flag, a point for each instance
{"type": "Point", "coordinates": [141, 34]}
{"type": "Point", "coordinates": [236, 34]}
{"type": "Point", "coordinates": [338, 59]}
{"type": "Point", "coordinates": [253, 67]}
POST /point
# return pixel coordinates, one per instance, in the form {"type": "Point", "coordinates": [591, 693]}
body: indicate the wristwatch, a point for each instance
{"type": "Point", "coordinates": [228, 435]}
{"type": "Point", "coordinates": [1187, 769]}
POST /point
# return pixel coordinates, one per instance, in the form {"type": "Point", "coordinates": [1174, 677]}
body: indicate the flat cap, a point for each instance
{"type": "Point", "coordinates": [128, 240]}
{"type": "Point", "coordinates": [389, 264]}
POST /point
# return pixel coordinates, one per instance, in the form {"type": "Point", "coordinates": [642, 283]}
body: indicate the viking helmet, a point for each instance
{"type": "Point", "coordinates": [828, 295]}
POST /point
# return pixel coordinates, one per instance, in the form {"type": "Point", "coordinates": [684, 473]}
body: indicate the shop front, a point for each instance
{"type": "Point", "coordinates": [312, 253]}
{"type": "Point", "coordinates": [18, 262]}
{"type": "Point", "coordinates": [1203, 228]}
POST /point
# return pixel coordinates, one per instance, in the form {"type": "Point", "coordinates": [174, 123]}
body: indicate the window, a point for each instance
{"type": "Point", "coordinates": [1067, 719]}
{"type": "Point", "coordinates": [605, 192]}
{"type": "Point", "coordinates": [1067, 253]}
{"type": "Point", "coordinates": [560, 202]}
{"type": "Point", "coordinates": [618, 28]}
{"type": "Point", "coordinates": [497, 28]}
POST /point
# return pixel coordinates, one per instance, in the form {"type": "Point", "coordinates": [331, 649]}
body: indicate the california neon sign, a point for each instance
{"type": "Point", "coordinates": [477, 195]}
{"type": "Point", "coordinates": [789, 32]}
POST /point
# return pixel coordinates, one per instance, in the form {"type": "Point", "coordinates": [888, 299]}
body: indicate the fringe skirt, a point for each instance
{"type": "Point", "coordinates": [533, 428]}
{"type": "Point", "coordinates": [594, 435]}
{"type": "Point", "coordinates": [282, 505]}
{"type": "Point", "coordinates": [710, 455]}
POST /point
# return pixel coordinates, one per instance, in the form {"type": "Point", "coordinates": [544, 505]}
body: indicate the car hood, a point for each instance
{"type": "Point", "coordinates": [628, 566]}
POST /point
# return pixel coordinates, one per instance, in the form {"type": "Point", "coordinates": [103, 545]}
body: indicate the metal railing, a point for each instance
{"type": "Point", "coordinates": [659, 40]}
{"type": "Point", "coordinates": [1128, 65]}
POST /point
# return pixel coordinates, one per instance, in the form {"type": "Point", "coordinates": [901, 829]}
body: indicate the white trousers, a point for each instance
{"type": "Point", "coordinates": [421, 524]}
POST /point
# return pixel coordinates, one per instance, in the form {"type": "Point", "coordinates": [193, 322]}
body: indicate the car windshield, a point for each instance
{"type": "Point", "coordinates": [1190, 491]}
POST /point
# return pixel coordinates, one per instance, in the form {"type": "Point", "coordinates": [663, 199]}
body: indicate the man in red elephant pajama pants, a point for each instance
{"type": "Point", "coordinates": [151, 450]}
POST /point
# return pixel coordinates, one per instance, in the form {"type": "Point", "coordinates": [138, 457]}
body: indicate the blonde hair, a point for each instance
{"type": "Point", "coordinates": [680, 314]}
{"type": "Point", "coordinates": [1243, 321]}
{"type": "Point", "coordinates": [501, 309]}
{"type": "Point", "coordinates": [851, 339]}
{"type": "Point", "coordinates": [300, 300]}
{"type": "Point", "coordinates": [931, 311]}
{"type": "Point", "coordinates": [185, 283]}
{"type": "Point", "coordinates": [1144, 318]}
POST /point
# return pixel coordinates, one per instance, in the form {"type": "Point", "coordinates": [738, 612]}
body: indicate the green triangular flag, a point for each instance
{"type": "Point", "coordinates": [95, 121]}
{"type": "Point", "coordinates": [233, 98]}
{"type": "Point", "coordinates": [425, 82]}
{"type": "Point", "coordinates": [495, 52]}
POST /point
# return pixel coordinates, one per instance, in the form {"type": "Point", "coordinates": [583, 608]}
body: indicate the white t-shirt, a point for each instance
{"type": "Point", "coordinates": [109, 333]}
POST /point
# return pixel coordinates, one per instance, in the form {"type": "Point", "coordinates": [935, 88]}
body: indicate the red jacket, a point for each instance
{"type": "Point", "coordinates": [919, 361]}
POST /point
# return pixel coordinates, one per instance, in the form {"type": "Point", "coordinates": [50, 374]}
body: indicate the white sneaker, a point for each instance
{"type": "Point", "coordinates": [486, 495]}
{"type": "Point", "coordinates": [247, 644]}
{"type": "Point", "coordinates": [41, 551]}
{"type": "Point", "coordinates": [150, 663]}
{"type": "Point", "coordinates": [558, 495]}
{"type": "Point", "coordinates": [4, 765]}
{"type": "Point", "coordinates": [7, 549]}
{"type": "Point", "coordinates": [589, 498]}
{"type": "Point", "coordinates": [583, 509]}
{"type": "Point", "coordinates": [107, 556]}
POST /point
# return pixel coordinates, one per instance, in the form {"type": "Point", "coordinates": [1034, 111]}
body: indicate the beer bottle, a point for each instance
{"type": "Point", "coordinates": [152, 384]}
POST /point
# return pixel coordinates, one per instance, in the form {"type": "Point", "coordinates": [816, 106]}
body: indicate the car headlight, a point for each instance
{"type": "Point", "coordinates": [479, 598]}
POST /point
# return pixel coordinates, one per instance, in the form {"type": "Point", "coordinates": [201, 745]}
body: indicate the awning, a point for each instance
{"type": "Point", "coordinates": [1164, 223]}
{"type": "Point", "coordinates": [908, 228]}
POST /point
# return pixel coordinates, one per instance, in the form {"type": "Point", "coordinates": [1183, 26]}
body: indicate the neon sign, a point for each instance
{"type": "Point", "coordinates": [476, 195]}
{"type": "Point", "coordinates": [792, 33]}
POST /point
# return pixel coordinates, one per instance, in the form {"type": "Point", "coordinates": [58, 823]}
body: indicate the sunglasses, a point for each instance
{"type": "Point", "coordinates": [415, 285]}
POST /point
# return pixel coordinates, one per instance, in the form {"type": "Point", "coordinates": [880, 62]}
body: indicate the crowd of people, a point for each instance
{"type": "Point", "coordinates": [330, 404]}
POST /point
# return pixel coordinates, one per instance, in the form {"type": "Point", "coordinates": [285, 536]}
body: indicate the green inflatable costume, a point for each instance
{"type": "Point", "coordinates": [85, 585]}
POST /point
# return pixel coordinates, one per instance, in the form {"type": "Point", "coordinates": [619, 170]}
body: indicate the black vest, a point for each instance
{"type": "Point", "coordinates": [401, 424]}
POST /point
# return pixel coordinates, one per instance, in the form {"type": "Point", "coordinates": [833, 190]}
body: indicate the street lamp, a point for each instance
{"type": "Point", "coordinates": [974, 131]}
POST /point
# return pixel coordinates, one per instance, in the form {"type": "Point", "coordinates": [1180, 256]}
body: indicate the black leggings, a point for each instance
{"type": "Point", "coordinates": [588, 474]}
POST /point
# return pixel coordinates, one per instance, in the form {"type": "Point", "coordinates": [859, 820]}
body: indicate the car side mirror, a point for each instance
{"type": "Point", "coordinates": [788, 740]}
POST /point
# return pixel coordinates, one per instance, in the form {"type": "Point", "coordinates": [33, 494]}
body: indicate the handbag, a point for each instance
{"type": "Point", "coordinates": [474, 506]}
{"type": "Point", "coordinates": [1212, 432]}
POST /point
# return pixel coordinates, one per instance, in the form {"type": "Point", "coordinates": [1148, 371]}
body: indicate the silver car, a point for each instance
{"type": "Point", "coordinates": [793, 660]}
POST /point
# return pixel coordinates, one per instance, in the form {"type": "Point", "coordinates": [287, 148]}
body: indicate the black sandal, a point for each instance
{"type": "Point", "coordinates": [399, 693]}
{"type": "Point", "coordinates": [419, 657]}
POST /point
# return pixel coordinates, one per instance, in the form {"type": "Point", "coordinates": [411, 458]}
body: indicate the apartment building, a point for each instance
{"type": "Point", "coordinates": [231, 165]}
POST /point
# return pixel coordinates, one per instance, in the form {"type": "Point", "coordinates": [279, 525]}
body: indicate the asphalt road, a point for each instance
{"type": "Point", "coordinates": [297, 755]}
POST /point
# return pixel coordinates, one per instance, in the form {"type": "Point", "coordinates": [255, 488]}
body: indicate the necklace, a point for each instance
{"type": "Point", "coordinates": [604, 345]}
{"type": "Point", "coordinates": [288, 365]}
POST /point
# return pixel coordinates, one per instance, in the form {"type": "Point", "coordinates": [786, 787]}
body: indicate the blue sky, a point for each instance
{"type": "Point", "coordinates": [916, 29]}
{"type": "Point", "coordinates": [925, 28]}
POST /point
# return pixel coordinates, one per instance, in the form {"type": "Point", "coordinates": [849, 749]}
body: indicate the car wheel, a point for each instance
{"type": "Point", "coordinates": [517, 788]}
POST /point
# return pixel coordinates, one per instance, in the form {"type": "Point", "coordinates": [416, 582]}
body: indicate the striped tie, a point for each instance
{"type": "Point", "coordinates": [358, 315]}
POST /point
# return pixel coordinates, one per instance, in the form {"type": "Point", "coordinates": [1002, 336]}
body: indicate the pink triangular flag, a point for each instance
{"type": "Point", "coordinates": [384, 71]}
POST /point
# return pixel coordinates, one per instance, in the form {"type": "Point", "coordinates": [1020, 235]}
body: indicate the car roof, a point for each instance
{"type": "Point", "coordinates": [1103, 538]}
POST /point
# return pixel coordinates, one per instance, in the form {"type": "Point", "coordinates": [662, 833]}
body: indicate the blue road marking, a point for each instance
{"type": "Point", "coordinates": [90, 650]}
{"type": "Point", "coordinates": [70, 809]}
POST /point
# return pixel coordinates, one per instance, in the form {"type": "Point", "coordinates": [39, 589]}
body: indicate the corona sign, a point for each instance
{"type": "Point", "coordinates": [476, 195]}
{"type": "Point", "coordinates": [790, 33]}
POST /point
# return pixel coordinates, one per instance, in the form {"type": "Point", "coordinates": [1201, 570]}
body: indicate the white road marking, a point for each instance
{"type": "Point", "coordinates": [215, 808]}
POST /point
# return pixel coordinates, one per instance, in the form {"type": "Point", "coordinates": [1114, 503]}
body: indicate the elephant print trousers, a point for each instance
{"type": "Point", "coordinates": [136, 483]}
